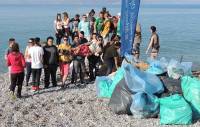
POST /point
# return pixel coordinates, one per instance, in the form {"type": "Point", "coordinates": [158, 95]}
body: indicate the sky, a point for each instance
{"type": "Point", "coordinates": [95, 1]}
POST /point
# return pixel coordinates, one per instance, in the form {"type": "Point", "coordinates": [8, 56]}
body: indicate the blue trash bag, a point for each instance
{"type": "Point", "coordinates": [176, 69]}
{"type": "Point", "coordinates": [106, 85]}
{"type": "Point", "coordinates": [157, 67]}
{"type": "Point", "coordinates": [103, 85]}
{"type": "Point", "coordinates": [174, 110]}
{"type": "Point", "coordinates": [144, 106]}
{"type": "Point", "coordinates": [139, 81]}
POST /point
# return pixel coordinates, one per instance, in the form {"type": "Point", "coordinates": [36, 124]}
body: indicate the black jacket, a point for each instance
{"type": "Point", "coordinates": [51, 56]}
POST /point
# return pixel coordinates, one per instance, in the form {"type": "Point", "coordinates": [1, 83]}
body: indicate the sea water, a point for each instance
{"type": "Point", "coordinates": [178, 26]}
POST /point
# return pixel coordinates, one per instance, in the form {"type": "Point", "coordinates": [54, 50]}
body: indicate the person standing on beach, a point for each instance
{"type": "Point", "coordinates": [137, 41]}
{"type": "Point", "coordinates": [50, 62]}
{"type": "Point", "coordinates": [85, 27]}
{"type": "Point", "coordinates": [118, 23]}
{"type": "Point", "coordinates": [16, 61]}
{"type": "Point", "coordinates": [82, 38]}
{"type": "Point", "coordinates": [94, 57]}
{"type": "Point", "coordinates": [78, 62]}
{"type": "Point", "coordinates": [154, 43]}
{"type": "Point", "coordinates": [36, 54]}
{"type": "Point", "coordinates": [28, 60]}
{"type": "Point", "coordinates": [8, 51]}
{"type": "Point", "coordinates": [106, 28]}
{"type": "Point", "coordinates": [75, 21]}
{"type": "Point", "coordinates": [99, 23]}
{"type": "Point", "coordinates": [10, 43]}
{"type": "Point", "coordinates": [58, 26]}
{"type": "Point", "coordinates": [65, 59]}
{"type": "Point", "coordinates": [66, 22]}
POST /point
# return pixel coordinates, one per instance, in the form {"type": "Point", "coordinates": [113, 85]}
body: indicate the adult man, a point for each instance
{"type": "Point", "coordinates": [82, 38]}
{"type": "Point", "coordinates": [78, 62]}
{"type": "Point", "coordinates": [50, 62]}
{"type": "Point", "coordinates": [8, 51]}
{"type": "Point", "coordinates": [84, 26]}
{"type": "Point", "coordinates": [111, 57]}
{"type": "Point", "coordinates": [154, 43]}
{"type": "Point", "coordinates": [36, 54]}
{"type": "Point", "coordinates": [99, 23]}
{"type": "Point", "coordinates": [10, 43]}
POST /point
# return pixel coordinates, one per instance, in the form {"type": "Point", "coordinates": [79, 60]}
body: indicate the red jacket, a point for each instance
{"type": "Point", "coordinates": [17, 62]}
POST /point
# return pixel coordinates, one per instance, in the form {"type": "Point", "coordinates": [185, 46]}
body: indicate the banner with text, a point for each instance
{"type": "Point", "coordinates": [129, 16]}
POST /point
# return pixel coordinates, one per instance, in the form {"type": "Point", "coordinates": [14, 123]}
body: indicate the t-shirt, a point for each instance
{"type": "Point", "coordinates": [17, 62]}
{"type": "Point", "coordinates": [85, 27]}
{"type": "Point", "coordinates": [26, 53]}
{"type": "Point", "coordinates": [66, 55]}
{"type": "Point", "coordinates": [36, 54]}
{"type": "Point", "coordinates": [110, 52]}
{"type": "Point", "coordinates": [99, 24]}
{"type": "Point", "coordinates": [83, 40]}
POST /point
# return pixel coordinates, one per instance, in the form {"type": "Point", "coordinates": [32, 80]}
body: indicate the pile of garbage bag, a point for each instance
{"type": "Point", "coordinates": [148, 93]}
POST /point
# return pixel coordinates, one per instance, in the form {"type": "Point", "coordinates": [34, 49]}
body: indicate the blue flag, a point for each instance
{"type": "Point", "coordinates": [129, 16]}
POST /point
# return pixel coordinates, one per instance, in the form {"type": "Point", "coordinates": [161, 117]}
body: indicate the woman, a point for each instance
{"type": "Point", "coordinates": [65, 59]}
{"type": "Point", "coordinates": [17, 63]}
{"type": "Point", "coordinates": [66, 25]}
{"type": "Point", "coordinates": [115, 23]}
{"type": "Point", "coordinates": [58, 26]}
{"type": "Point", "coordinates": [154, 43]}
{"type": "Point", "coordinates": [28, 60]}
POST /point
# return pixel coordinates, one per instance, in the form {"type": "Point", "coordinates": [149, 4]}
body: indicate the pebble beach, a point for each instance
{"type": "Point", "coordinates": [75, 106]}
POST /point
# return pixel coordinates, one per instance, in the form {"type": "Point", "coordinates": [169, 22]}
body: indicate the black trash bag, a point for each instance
{"type": "Point", "coordinates": [121, 99]}
{"type": "Point", "coordinates": [102, 70]}
{"type": "Point", "coordinates": [171, 86]}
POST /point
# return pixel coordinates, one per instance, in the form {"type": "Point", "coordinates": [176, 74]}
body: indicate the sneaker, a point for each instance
{"type": "Point", "coordinates": [12, 95]}
{"type": "Point", "coordinates": [34, 88]}
{"type": "Point", "coordinates": [19, 96]}
{"type": "Point", "coordinates": [38, 88]}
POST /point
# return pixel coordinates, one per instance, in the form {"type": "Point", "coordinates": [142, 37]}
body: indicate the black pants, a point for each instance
{"type": "Point", "coordinates": [50, 71]}
{"type": "Point", "coordinates": [93, 60]}
{"type": "Point", "coordinates": [36, 74]}
{"type": "Point", "coordinates": [28, 72]}
{"type": "Point", "coordinates": [110, 65]}
{"type": "Point", "coordinates": [59, 36]}
{"type": "Point", "coordinates": [17, 80]}
{"type": "Point", "coordinates": [78, 70]}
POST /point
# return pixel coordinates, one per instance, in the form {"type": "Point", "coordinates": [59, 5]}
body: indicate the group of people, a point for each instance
{"type": "Point", "coordinates": [85, 46]}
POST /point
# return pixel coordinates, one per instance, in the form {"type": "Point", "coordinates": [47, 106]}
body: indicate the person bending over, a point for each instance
{"type": "Point", "coordinates": [110, 57]}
